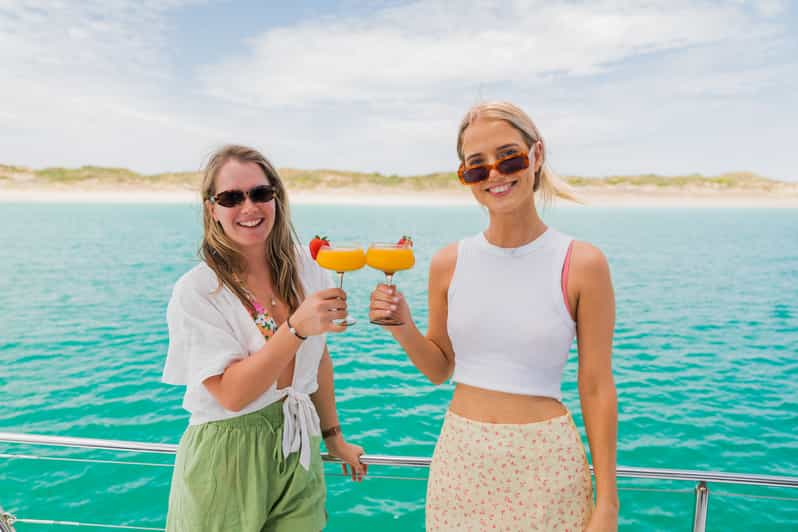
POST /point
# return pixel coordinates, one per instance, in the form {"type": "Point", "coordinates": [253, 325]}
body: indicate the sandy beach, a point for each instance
{"type": "Point", "coordinates": [630, 197]}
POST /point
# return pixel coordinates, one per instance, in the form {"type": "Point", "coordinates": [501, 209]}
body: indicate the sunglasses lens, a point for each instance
{"type": "Point", "coordinates": [476, 174]}
{"type": "Point", "coordinates": [513, 164]}
{"type": "Point", "coordinates": [230, 198]}
{"type": "Point", "coordinates": [261, 194]}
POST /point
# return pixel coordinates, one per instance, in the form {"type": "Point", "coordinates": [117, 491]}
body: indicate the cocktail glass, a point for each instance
{"type": "Point", "coordinates": [342, 258]}
{"type": "Point", "coordinates": [389, 258]}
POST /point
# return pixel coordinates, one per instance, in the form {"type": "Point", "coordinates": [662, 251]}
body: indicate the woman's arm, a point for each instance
{"type": "Point", "coordinates": [432, 354]}
{"type": "Point", "coordinates": [595, 322]}
{"type": "Point", "coordinates": [324, 400]}
{"type": "Point", "coordinates": [245, 380]}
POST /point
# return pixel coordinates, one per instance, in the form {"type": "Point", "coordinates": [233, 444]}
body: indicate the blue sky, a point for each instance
{"type": "Point", "coordinates": [668, 87]}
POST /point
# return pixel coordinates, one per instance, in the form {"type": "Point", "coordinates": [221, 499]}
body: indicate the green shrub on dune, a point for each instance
{"type": "Point", "coordinates": [87, 173]}
{"type": "Point", "coordinates": [187, 179]}
{"type": "Point", "coordinates": [11, 169]}
{"type": "Point", "coordinates": [337, 179]}
{"type": "Point", "coordinates": [732, 180]}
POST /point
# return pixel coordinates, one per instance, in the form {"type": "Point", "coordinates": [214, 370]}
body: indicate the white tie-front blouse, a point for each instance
{"type": "Point", "coordinates": [209, 329]}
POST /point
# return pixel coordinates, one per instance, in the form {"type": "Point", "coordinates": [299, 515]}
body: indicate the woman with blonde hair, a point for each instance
{"type": "Point", "coordinates": [504, 308]}
{"type": "Point", "coordinates": [247, 332]}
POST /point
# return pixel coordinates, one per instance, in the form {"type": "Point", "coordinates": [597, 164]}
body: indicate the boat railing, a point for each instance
{"type": "Point", "coordinates": [701, 490]}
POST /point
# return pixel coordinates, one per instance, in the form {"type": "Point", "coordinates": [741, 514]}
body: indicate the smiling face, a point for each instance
{"type": "Point", "coordinates": [248, 224]}
{"type": "Point", "coordinates": [487, 140]}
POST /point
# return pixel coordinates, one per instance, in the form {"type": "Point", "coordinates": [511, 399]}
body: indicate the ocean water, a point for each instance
{"type": "Point", "coordinates": [705, 358]}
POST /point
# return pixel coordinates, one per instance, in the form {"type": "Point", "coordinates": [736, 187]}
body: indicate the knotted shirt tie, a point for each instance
{"type": "Point", "coordinates": [300, 422]}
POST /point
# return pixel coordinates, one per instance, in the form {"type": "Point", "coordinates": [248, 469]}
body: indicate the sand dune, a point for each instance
{"type": "Point", "coordinates": [603, 196]}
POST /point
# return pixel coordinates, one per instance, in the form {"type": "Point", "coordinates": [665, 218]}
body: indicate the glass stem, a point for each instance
{"type": "Point", "coordinates": [341, 280]}
{"type": "Point", "coordinates": [389, 279]}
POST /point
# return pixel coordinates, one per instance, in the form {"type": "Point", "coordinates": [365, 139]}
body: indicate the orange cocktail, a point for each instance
{"type": "Point", "coordinates": [390, 258]}
{"type": "Point", "coordinates": [342, 258]}
{"type": "Point", "coordinates": [339, 259]}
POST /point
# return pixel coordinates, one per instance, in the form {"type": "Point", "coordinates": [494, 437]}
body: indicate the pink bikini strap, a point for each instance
{"type": "Point", "coordinates": [564, 280]}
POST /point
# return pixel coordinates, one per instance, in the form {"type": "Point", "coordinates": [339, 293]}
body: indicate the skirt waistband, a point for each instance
{"type": "Point", "coordinates": [564, 419]}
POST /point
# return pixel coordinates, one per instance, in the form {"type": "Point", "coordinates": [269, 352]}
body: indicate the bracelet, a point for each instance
{"type": "Point", "coordinates": [293, 330]}
{"type": "Point", "coordinates": [332, 431]}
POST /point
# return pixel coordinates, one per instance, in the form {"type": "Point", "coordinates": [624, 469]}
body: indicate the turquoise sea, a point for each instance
{"type": "Point", "coordinates": [705, 358]}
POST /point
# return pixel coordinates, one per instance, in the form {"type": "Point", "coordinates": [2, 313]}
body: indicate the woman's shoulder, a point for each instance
{"type": "Point", "coordinates": [588, 262]}
{"type": "Point", "coordinates": [588, 254]}
{"type": "Point", "coordinates": [200, 279]}
{"type": "Point", "coordinates": [446, 257]}
{"type": "Point", "coordinates": [442, 265]}
{"type": "Point", "coordinates": [582, 252]}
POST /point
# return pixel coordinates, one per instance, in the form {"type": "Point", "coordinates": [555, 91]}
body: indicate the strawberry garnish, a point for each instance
{"type": "Point", "coordinates": [405, 241]}
{"type": "Point", "coordinates": [316, 244]}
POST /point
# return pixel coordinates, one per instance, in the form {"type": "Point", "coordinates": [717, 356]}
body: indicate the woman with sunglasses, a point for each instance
{"type": "Point", "coordinates": [247, 338]}
{"type": "Point", "coordinates": [504, 308]}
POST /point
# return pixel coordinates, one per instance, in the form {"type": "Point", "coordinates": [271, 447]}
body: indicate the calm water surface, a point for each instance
{"type": "Point", "coordinates": [705, 357]}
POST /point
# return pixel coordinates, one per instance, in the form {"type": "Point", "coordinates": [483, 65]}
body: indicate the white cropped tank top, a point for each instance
{"type": "Point", "coordinates": [507, 319]}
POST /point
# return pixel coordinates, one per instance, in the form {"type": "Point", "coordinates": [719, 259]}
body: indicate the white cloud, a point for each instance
{"type": "Point", "coordinates": [768, 8]}
{"type": "Point", "coordinates": [614, 86]}
{"type": "Point", "coordinates": [427, 47]}
{"type": "Point", "coordinates": [594, 75]}
{"type": "Point", "coordinates": [87, 83]}
{"type": "Point", "coordinates": [95, 38]}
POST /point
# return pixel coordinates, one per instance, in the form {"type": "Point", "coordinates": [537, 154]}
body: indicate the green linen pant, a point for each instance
{"type": "Point", "coordinates": [231, 476]}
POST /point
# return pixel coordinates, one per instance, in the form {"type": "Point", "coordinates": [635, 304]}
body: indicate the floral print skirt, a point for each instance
{"type": "Point", "coordinates": [487, 476]}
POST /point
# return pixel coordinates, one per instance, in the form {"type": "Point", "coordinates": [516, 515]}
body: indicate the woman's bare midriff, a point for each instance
{"type": "Point", "coordinates": [489, 406]}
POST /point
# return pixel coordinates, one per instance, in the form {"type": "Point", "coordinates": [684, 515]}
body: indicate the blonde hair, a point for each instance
{"type": "Point", "coordinates": [547, 184]}
{"type": "Point", "coordinates": [221, 253]}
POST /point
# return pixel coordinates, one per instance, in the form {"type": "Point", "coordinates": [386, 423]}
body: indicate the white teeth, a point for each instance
{"type": "Point", "coordinates": [251, 223]}
{"type": "Point", "coordinates": [500, 189]}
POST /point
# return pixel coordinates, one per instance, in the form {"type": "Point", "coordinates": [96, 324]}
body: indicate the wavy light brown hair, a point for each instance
{"type": "Point", "coordinates": [547, 184]}
{"type": "Point", "coordinates": [222, 254]}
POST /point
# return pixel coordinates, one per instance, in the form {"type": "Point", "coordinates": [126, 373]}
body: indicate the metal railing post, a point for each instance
{"type": "Point", "coordinates": [701, 506]}
{"type": "Point", "coordinates": [6, 521]}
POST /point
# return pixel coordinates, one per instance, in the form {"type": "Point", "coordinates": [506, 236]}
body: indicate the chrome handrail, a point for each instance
{"type": "Point", "coordinates": [701, 477]}
{"type": "Point", "coordinates": [407, 461]}
{"type": "Point", "coordinates": [88, 443]}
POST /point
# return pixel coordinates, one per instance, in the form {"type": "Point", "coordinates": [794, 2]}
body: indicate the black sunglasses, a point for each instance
{"type": "Point", "coordinates": [231, 198]}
